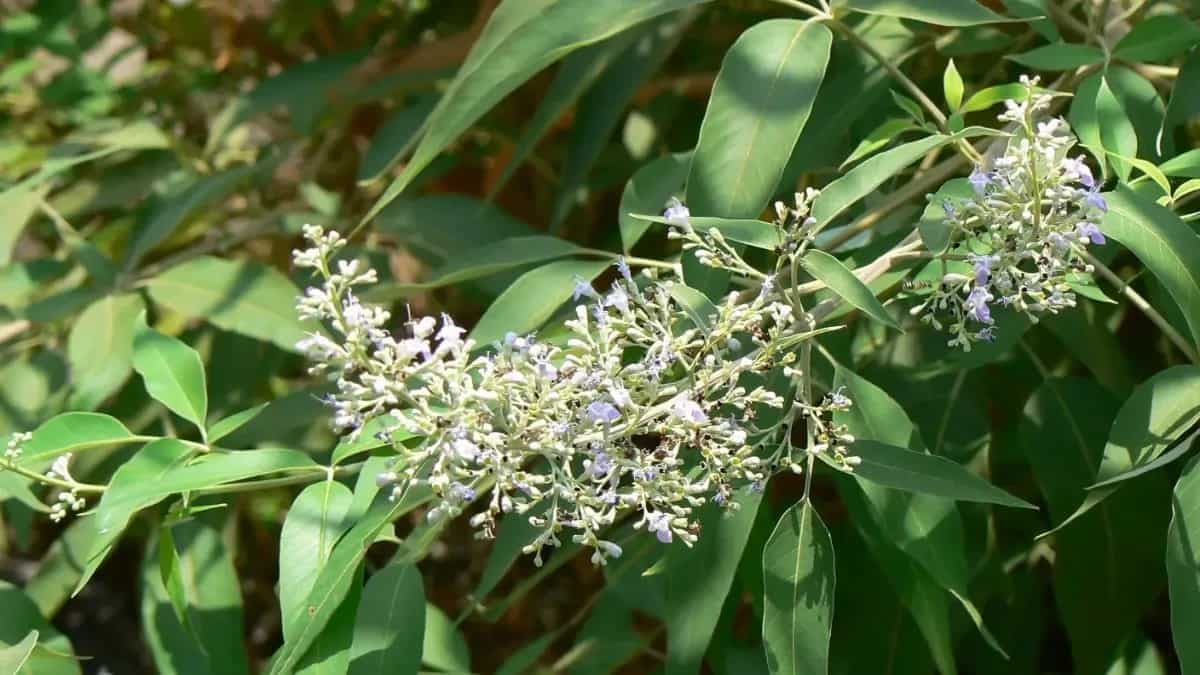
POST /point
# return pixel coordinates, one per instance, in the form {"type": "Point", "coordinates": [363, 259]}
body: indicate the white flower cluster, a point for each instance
{"type": "Point", "coordinates": [16, 445]}
{"type": "Point", "coordinates": [1023, 230]}
{"type": "Point", "coordinates": [649, 409]}
{"type": "Point", "coordinates": [68, 500]}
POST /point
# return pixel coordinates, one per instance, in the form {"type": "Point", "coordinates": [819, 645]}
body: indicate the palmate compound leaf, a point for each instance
{"type": "Point", "coordinates": [521, 38]}
{"type": "Point", "coordinates": [798, 588]}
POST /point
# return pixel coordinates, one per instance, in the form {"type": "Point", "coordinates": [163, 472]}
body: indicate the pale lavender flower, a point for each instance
{"type": "Point", "coordinates": [983, 267]}
{"type": "Point", "coordinates": [1090, 232]}
{"type": "Point", "coordinates": [1096, 200]}
{"type": "Point", "coordinates": [583, 289]}
{"type": "Point", "coordinates": [623, 268]}
{"type": "Point", "coordinates": [687, 410]}
{"type": "Point", "coordinates": [602, 412]}
{"type": "Point", "coordinates": [979, 180]}
{"type": "Point", "coordinates": [660, 524]}
{"type": "Point", "coordinates": [676, 213]}
{"type": "Point", "coordinates": [977, 305]}
{"type": "Point", "coordinates": [462, 493]}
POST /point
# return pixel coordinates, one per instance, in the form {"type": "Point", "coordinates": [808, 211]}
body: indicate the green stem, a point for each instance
{"type": "Point", "coordinates": [310, 475]}
{"type": "Point", "coordinates": [1142, 304]}
{"type": "Point", "coordinates": [41, 478]}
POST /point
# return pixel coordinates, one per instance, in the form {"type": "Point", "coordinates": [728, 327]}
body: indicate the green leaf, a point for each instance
{"type": "Point", "coordinates": [927, 528]}
{"type": "Point", "coordinates": [14, 657]}
{"type": "Point", "coordinates": [952, 86]}
{"type": "Point", "coordinates": [1108, 563]}
{"type": "Point", "coordinates": [136, 135]}
{"type": "Point", "coordinates": [1037, 13]}
{"type": "Point", "coordinates": [171, 575]}
{"type": "Point", "coordinates": [386, 637]}
{"type": "Point", "coordinates": [525, 659]}
{"type": "Point", "coordinates": [240, 296]}
{"type": "Point", "coordinates": [1116, 130]}
{"type": "Point", "coordinates": [533, 298]}
{"type": "Point", "coordinates": [799, 578]}
{"type": "Point", "coordinates": [831, 272]}
{"type": "Point", "coordinates": [72, 432]}
{"type": "Point", "coordinates": [603, 106]}
{"type": "Point", "coordinates": [335, 579]}
{"type": "Point", "coordinates": [18, 204]}
{"type": "Point", "coordinates": [1059, 56]}
{"type": "Point", "coordinates": [1161, 410]}
{"type": "Point", "coordinates": [159, 470]}
{"type": "Point", "coordinates": [1186, 165]}
{"type": "Point", "coordinates": [1158, 38]}
{"type": "Point", "coordinates": [986, 98]}
{"type": "Point", "coordinates": [319, 516]}
{"type": "Point", "coordinates": [940, 12]}
{"type": "Point", "coordinates": [211, 639]}
{"type": "Point", "coordinates": [232, 423]}
{"type": "Point", "coordinates": [869, 605]}
{"type": "Point", "coordinates": [520, 39]}
{"type": "Point", "coordinates": [935, 232]}
{"type": "Point", "coordinates": [304, 90]}
{"type": "Point", "coordinates": [369, 440]}
{"type": "Point", "coordinates": [1183, 566]}
{"type": "Point", "coordinates": [648, 191]}
{"type": "Point", "coordinates": [574, 76]}
{"type": "Point", "coordinates": [1184, 103]}
{"type": "Point", "coordinates": [443, 647]}
{"type": "Point", "coordinates": [511, 536]}
{"type": "Point", "coordinates": [710, 565]}
{"type": "Point", "coordinates": [1173, 451]}
{"type": "Point", "coordinates": [18, 487]}
{"type": "Point", "coordinates": [695, 304]}
{"type": "Point", "coordinates": [1140, 100]}
{"type": "Point", "coordinates": [1164, 243]}
{"type": "Point", "coordinates": [922, 473]}
{"type": "Point", "coordinates": [315, 521]}
{"type": "Point", "coordinates": [498, 256]}
{"type": "Point", "coordinates": [879, 138]}
{"type": "Point", "coordinates": [53, 654]}
{"type": "Point", "coordinates": [61, 567]}
{"type": "Point", "coordinates": [754, 233]}
{"type": "Point", "coordinates": [100, 348]}
{"type": "Point", "coordinates": [393, 139]}
{"type": "Point", "coordinates": [176, 209]}
{"type": "Point", "coordinates": [172, 372]}
{"type": "Point", "coordinates": [761, 99]}
{"type": "Point", "coordinates": [862, 180]}
{"type": "Point", "coordinates": [926, 602]}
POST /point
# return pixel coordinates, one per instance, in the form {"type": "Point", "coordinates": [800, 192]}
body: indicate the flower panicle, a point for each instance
{"type": "Point", "coordinates": [644, 410]}
{"type": "Point", "coordinates": [1018, 239]}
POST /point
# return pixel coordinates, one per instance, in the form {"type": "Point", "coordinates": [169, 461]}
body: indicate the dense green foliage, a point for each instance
{"type": "Point", "coordinates": [954, 488]}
